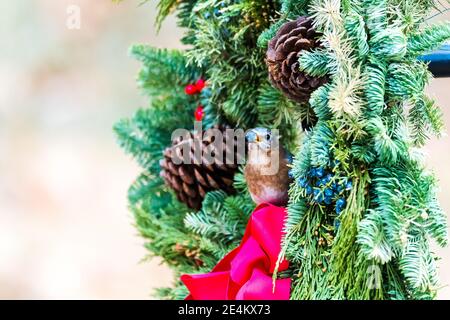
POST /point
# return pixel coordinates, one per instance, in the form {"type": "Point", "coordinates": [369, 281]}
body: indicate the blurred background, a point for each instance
{"type": "Point", "coordinates": [65, 231]}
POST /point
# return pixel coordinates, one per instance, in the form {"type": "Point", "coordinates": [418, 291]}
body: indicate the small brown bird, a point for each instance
{"type": "Point", "coordinates": [267, 169]}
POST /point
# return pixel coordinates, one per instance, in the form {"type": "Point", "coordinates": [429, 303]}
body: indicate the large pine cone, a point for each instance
{"type": "Point", "coordinates": [192, 181]}
{"type": "Point", "coordinates": [282, 59]}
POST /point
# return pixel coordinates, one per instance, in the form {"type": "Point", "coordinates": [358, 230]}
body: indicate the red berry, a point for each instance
{"type": "Point", "coordinates": [190, 89]}
{"type": "Point", "coordinates": [199, 113]}
{"type": "Point", "coordinates": [200, 84]}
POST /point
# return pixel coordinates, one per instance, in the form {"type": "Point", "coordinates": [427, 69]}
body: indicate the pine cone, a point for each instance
{"type": "Point", "coordinates": [192, 181]}
{"type": "Point", "coordinates": [282, 59]}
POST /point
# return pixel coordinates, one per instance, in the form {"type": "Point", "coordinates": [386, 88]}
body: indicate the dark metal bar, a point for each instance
{"type": "Point", "coordinates": [439, 62]}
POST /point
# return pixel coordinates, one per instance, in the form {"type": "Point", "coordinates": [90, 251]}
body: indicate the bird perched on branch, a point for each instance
{"type": "Point", "coordinates": [266, 170]}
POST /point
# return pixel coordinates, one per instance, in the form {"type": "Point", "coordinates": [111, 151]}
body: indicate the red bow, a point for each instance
{"type": "Point", "coordinates": [246, 272]}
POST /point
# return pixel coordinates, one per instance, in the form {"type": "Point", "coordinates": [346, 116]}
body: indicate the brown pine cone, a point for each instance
{"type": "Point", "coordinates": [282, 59]}
{"type": "Point", "coordinates": [192, 181]}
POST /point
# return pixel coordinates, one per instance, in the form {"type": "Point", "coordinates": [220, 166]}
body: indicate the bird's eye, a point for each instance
{"type": "Point", "coordinates": [268, 136]}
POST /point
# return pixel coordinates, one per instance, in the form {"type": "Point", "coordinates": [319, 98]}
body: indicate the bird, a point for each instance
{"type": "Point", "coordinates": [266, 169]}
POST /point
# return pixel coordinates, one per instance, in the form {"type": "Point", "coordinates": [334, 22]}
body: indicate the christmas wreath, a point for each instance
{"type": "Point", "coordinates": [342, 82]}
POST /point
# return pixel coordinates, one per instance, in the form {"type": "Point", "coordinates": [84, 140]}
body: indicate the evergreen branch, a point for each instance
{"type": "Point", "coordinates": [363, 151]}
{"type": "Point", "coordinates": [164, 71]}
{"type": "Point", "coordinates": [375, 76]}
{"type": "Point", "coordinates": [317, 63]}
{"type": "Point", "coordinates": [179, 292]}
{"type": "Point", "coordinates": [376, 16]}
{"type": "Point", "coordinates": [345, 94]}
{"type": "Point", "coordinates": [221, 219]}
{"type": "Point", "coordinates": [429, 39]}
{"type": "Point", "coordinates": [425, 117]}
{"type": "Point", "coordinates": [294, 8]}
{"type": "Point", "coordinates": [269, 33]}
{"type": "Point", "coordinates": [165, 7]}
{"type": "Point", "coordinates": [275, 111]}
{"type": "Point", "coordinates": [417, 264]}
{"type": "Point", "coordinates": [372, 238]}
{"type": "Point", "coordinates": [321, 141]}
{"type": "Point", "coordinates": [384, 144]}
{"type": "Point", "coordinates": [148, 192]}
{"type": "Point", "coordinates": [148, 133]}
{"type": "Point", "coordinates": [407, 81]}
{"type": "Point", "coordinates": [319, 101]}
{"type": "Point", "coordinates": [389, 44]}
{"type": "Point", "coordinates": [133, 140]}
{"type": "Point", "coordinates": [356, 30]}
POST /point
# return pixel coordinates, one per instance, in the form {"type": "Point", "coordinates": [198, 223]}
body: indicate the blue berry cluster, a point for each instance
{"type": "Point", "coordinates": [325, 188]}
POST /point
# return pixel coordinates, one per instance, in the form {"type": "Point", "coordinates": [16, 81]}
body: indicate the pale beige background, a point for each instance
{"type": "Point", "coordinates": [65, 231]}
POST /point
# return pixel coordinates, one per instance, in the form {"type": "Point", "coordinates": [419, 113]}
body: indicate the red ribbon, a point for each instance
{"type": "Point", "coordinates": [246, 272]}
